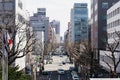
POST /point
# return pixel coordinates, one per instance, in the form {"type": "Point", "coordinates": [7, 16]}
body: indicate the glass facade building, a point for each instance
{"type": "Point", "coordinates": [79, 22]}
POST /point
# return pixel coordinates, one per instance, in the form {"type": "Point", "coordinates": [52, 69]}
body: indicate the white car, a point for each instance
{"type": "Point", "coordinates": [61, 71]}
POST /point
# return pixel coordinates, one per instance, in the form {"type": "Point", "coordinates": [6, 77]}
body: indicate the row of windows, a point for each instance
{"type": "Point", "coordinates": [78, 37]}
{"type": "Point", "coordinates": [105, 5]}
{"type": "Point", "coordinates": [113, 13]}
{"type": "Point", "coordinates": [81, 32]}
{"type": "Point", "coordinates": [80, 28]}
{"type": "Point", "coordinates": [82, 11]}
{"type": "Point", "coordinates": [113, 35]}
{"type": "Point", "coordinates": [113, 24]}
{"type": "Point", "coordinates": [41, 13]}
{"type": "Point", "coordinates": [6, 6]}
{"type": "Point", "coordinates": [5, 0]}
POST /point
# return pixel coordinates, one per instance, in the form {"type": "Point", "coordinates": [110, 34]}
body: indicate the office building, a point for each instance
{"type": "Point", "coordinates": [56, 25]}
{"type": "Point", "coordinates": [79, 22]}
{"type": "Point", "coordinates": [113, 27]}
{"type": "Point", "coordinates": [40, 22]}
{"type": "Point", "coordinates": [99, 24]}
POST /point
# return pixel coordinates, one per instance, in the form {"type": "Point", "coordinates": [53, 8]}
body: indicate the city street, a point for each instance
{"type": "Point", "coordinates": [52, 69]}
{"type": "Point", "coordinates": [59, 39]}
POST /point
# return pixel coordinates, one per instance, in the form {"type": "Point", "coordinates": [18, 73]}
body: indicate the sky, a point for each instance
{"type": "Point", "coordinates": [55, 9]}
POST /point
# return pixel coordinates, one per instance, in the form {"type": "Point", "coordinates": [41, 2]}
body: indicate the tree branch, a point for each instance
{"type": "Point", "coordinates": [108, 65]}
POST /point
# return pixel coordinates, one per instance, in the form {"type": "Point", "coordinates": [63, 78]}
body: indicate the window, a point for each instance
{"type": "Point", "coordinates": [104, 17]}
{"type": "Point", "coordinates": [5, 0]}
{"type": "Point", "coordinates": [77, 23]}
{"type": "Point", "coordinates": [105, 5]}
{"type": "Point", "coordinates": [8, 0]}
{"type": "Point", "coordinates": [82, 11]}
{"type": "Point", "coordinates": [113, 3]}
{"type": "Point", "coordinates": [1, 6]}
{"type": "Point", "coordinates": [41, 13]}
{"type": "Point", "coordinates": [104, 28]}
{"type": "Point", "coordinates": [77, 32]}
{"type": "Point", "coordinates": [9, 6]}
{"type": "Point", "coordinates": [108, 16]}
{"type": "Point", "coordinates": [77, 28]}
{"type": "Point", "coordinates": [119, 22]}
{"type": "Point", "coordinates": [118, 11]}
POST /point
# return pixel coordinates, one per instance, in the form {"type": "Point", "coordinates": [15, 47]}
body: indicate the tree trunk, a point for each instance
{"type": "Point", "coordinates": [91, 65]}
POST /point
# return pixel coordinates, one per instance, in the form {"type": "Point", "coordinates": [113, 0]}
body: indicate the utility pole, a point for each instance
{"type": "Point", "coordinates": [4, 58]}
{"type": "Point", "coordinates": [4, 41]}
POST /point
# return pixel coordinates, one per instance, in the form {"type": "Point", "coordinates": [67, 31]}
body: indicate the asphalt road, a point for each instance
{"type": "Point", "coordinates": [53, 75]}
{"type": "Point", "coordinates": [52, 69]}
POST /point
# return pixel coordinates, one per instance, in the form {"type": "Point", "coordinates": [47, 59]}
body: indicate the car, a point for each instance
{"type": "Point", "coordinates": [61, 55]}
{"type": "Point", "coordinates": [61, 71]}
{"type": "Point", "coordinates": [75, 77]}
{"type": "Point", "coordinates": [45, 72]}
{"type": "Point", "coordinates": [73, 73]}
{"type": "Point", "coordinates": [50, 62]}
{"type": "Point", "coordinates": [63, 63]}
{"type": "Point", "coordinates": [100, 75]}
{"type": "Point", "coordinates": [60, 64]}
{"type": "Point", "coordinates": [71, 68]}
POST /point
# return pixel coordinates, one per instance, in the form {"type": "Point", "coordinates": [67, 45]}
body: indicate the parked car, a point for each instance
{"type": "Point", "coordinates": [63, 63]}
{"type": "Point", "coordinates": [45, 72]}
{"type": "Point", "coordinates": [61, 55]}
{"type": "Point", "coordinates": [61, 71]}
{"type": "Point", "coordinates": [75, 77]}
{"type": "Point", "coordinates": [73, 73]}
{"type": "Point", "coordinates": [71, 68]}
{"type": "Point", "coordinates": [50, 62]}
{"type": "Point", "coordinates": [60, 64]}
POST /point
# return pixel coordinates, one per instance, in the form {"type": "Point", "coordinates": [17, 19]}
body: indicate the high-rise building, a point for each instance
{"type": "Point", "coordinates": [40, 22]}
{"type": "Point", "coordinates": [113, 22]}
{"type": "Point", "coordinates": [56, 25]}
{"type": "Point", "coordinates": [14, 13]}
{"type": "Point", "coordinates": [79, 22]}
{"type": "Point", "coordinates": [113, 27]}
{"type": "Point", "coordinates": [99, 24]}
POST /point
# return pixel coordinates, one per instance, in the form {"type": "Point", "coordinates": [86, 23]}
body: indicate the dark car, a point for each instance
{"type": "Point", "coordinates": [63, 63]}
{"type": "Point", "coordinates": [71, 68]}
{"type": "Point", "coordinates": [45, 73]}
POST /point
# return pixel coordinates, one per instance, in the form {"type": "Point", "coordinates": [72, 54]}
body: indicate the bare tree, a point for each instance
{"type": "Point", "coordinates": [21, 43]}
{"type": "Point", "coordinates": [115, 61]}
{"type": "Point", "coordinates": [83, 56]}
